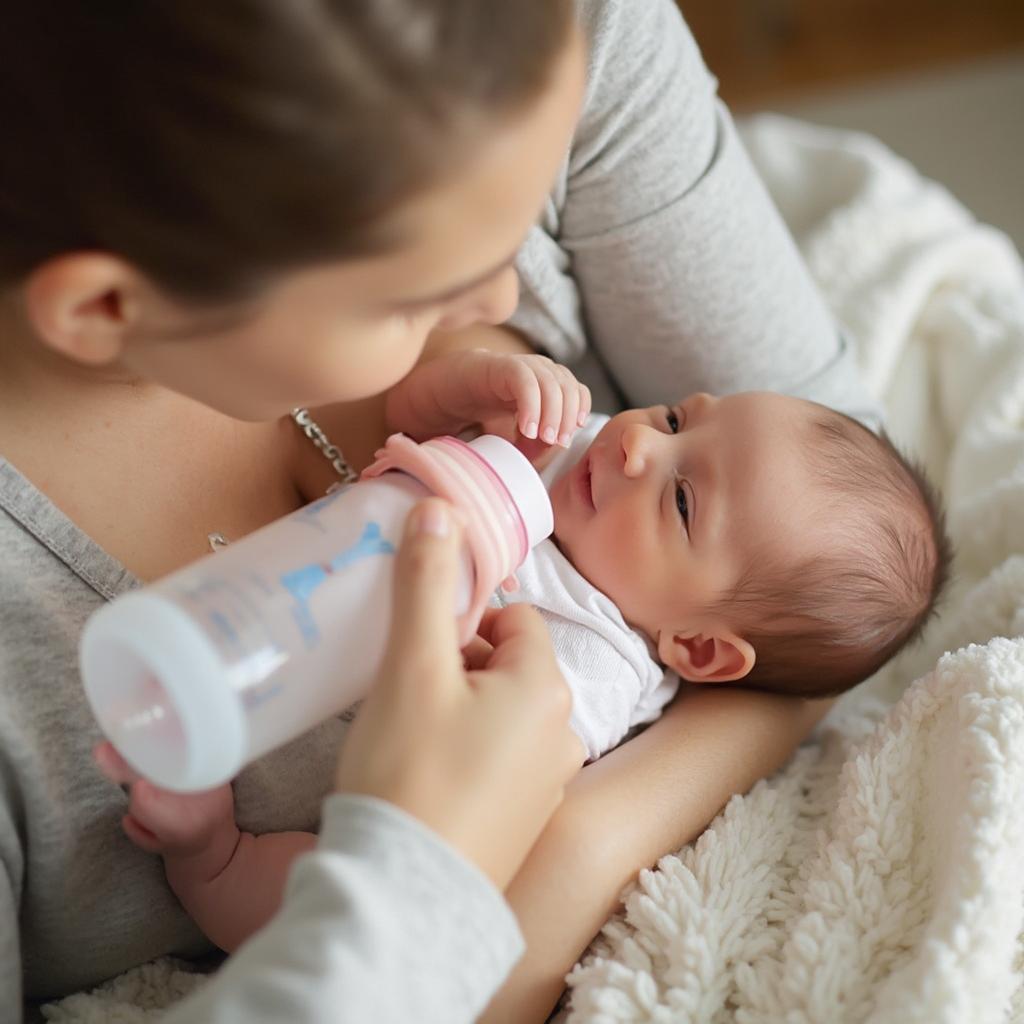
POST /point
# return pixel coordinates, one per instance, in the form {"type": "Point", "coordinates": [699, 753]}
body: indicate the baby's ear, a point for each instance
{"type": "Point", "coordinates": [706, 658]}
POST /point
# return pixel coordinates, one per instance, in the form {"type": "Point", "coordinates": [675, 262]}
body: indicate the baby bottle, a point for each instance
{"type": "Point", "coordinates": [198, 674]}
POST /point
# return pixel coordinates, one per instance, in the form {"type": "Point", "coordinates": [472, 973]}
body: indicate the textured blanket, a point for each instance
{"type": "Point", "coordinates": [878, 877]}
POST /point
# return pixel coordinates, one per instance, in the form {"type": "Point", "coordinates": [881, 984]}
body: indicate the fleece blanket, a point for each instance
{"type": "Point", "coordinates": [879, 876]}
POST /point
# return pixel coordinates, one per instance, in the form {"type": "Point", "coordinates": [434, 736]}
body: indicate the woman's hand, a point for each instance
{"type": "Point", "coordinates": [526, 398]}
{"type": "Point", "coordinates": [479, 755]}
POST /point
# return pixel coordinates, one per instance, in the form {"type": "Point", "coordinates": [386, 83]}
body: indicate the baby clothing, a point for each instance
{"type": "Point", "coordinates": [615, 680]}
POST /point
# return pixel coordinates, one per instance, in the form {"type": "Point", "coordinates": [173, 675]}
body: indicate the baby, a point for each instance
{"type": "Point", "coordinates": [754, 539]}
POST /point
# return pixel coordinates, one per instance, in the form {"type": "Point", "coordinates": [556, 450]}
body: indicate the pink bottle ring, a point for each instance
{"type": "Point", "coordinates": [494, 528]}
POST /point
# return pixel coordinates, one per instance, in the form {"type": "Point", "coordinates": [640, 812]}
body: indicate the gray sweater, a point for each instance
{"type": "Point", "coordinates": [658, 255]}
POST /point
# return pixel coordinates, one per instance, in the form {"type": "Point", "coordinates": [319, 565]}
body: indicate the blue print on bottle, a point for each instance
{"type": "Point", "coordinates": [302, 583]}
{"type": "Point", "coordinates": [308, 515]}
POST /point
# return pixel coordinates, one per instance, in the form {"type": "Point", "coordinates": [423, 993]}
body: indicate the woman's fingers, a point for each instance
{"type": "Point", "coordinates": [424, 632]}
{"type": "Point", "coordinates": [476, 653]}
{"type": "Point", "coordinates": [486, 625]}
{"type": "Point", "coordinates": [515, 631]}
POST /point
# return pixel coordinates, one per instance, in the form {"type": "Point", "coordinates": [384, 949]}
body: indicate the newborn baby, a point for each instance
{"type": "Point", "coordinates": [753, 539]}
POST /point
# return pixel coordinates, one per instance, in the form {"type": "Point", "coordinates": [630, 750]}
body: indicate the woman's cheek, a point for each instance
{"type": "Point", "coordinates": [364, 362]}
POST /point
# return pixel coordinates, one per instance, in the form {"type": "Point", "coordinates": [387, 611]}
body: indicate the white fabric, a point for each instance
{"type": "Point", "coordinates": [879, 877]}
{"type": "Point", "coordinates": [616, 682]}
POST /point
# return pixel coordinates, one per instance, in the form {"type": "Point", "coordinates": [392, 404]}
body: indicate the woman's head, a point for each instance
{"type": "Point", "coordinates": [331, 171]}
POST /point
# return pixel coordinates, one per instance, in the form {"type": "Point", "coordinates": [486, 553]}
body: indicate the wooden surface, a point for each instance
{"type": "Point", "coordinates": [764, 50]}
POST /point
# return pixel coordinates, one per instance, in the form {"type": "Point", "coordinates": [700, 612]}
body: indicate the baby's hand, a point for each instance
{"type": "Point", "coordinates": [526, 395]}
{"type": "Point", "coordinates": [548, 403]}
{"type": "Point", "coordinates": [160, 821]}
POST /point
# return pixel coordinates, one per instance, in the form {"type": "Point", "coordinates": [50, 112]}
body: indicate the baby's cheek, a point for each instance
{"type": "Point", "coordinates": [609, 553]}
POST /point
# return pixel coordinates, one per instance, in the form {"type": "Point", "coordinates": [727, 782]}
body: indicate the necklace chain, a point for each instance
{"type": "Point", "coordinates": [331, 452]}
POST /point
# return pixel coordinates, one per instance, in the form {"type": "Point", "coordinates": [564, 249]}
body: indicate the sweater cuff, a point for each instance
{"type": "Point", "coordinates": [465, 926]}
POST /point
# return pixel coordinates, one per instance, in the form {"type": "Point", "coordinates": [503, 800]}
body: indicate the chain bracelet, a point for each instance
{"type": "Point", "coordinates": [331, 452]}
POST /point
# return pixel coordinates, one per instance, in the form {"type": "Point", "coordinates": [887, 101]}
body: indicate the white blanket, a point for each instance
{"type": "Point", "coordinates": [879, 876]}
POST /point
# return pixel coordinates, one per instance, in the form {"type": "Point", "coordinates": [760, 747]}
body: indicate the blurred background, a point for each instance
{"type": "Point", "coordinates": [940, 81]}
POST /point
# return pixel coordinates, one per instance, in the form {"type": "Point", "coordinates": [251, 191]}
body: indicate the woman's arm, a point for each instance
{"type": "Point", "coordinates": [662, 241]}
{"type": "Point", "coordinates": [649, 797]}
{"type": "Point", "coordinates": [383, 921]}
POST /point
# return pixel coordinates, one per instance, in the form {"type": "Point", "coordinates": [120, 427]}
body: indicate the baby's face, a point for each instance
{"type": "Point", "coordinates": [669, 505]}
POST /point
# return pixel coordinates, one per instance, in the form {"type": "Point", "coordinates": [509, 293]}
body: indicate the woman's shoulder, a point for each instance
{"type": "Point", "coordinates": [625, 36]}
{"type": "Point", "coordinates": [649, 113]}
{"type": "Point", "coordinates": [43, 551]}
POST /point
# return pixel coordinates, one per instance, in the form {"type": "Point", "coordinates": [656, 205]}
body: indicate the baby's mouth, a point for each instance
{"type": "Point", "coordinates": [586, 483]}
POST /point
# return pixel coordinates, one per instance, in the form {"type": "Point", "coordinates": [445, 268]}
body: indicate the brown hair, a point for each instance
{"type": "Point", "coordinates": [827, 622]}
{"type": "Point", "coordinates": [215, 144]}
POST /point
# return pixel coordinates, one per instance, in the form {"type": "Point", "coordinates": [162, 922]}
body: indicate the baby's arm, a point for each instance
{"type": "Point", "coordinates": [232, 888]}
{"type": "Point", "coordinates": [519, 396]}
{"type": "Point", "coordinates": [230, 882]}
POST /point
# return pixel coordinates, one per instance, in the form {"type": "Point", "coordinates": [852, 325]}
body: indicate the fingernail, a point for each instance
{"type": "Point", "coordinates": [432, 519]}
{"type": "Point", "coordinates": [581, 420]}
{"type": "Point", "coordinates": [549, 435]}
{"type": "Point", "coordinates": [531, 430]}
{"type": "Point", "coordinates": [564, 440]}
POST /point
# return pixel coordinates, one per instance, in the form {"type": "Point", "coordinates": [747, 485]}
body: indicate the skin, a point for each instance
{"type": "Point", "coordinates": [151, 423]}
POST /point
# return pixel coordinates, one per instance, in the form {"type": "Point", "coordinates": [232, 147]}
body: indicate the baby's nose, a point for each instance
{"type": "Point", "coordinates": [636, 445]}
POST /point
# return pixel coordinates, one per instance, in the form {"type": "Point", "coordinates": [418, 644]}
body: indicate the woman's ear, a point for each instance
{"type": "Point", "coordinates": [82, 305]}
{"type": "Point", "coordinates": [706, 658]}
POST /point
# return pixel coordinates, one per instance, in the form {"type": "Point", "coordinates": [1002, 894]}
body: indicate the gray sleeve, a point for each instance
{"type": "Point", "coordinates": [688, 277]}
{"type": "Point", "coordinates": [384, 922]}
{"type": "Point", "coordinates": [12, 860]}
{"type": "Point", "coordinates": [10, 947]}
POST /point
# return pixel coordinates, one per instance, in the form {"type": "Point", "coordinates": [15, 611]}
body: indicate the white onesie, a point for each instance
{"type": "Point", "coordinates": [616, 682]}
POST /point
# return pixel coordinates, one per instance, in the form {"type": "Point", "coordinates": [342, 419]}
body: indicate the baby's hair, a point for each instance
{"type": "Point", "coordinates": [217, 144]}
{"type": "Point", "coordinates": [826, 622]}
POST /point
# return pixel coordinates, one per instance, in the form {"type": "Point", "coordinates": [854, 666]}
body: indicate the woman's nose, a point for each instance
{"type": "Point", "coordinates": [637, 440]}
{"type": "Point", "coordinates": [499, 298]}
{"type": "Point", "coordinates": [493, 302]}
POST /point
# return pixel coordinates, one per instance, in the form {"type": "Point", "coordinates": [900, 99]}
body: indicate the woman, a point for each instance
{"type": "Point", "coordinates": [212, 214]}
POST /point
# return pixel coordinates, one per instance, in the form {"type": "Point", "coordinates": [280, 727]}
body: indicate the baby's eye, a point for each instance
{"type": "Point", "coordinates": [672, 419]}
{"type": "Point", "coordinates": [681, 504]}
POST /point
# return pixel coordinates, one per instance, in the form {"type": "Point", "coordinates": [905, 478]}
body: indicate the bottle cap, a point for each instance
{"type": "Point", "coordinates": [505, 504]}
{"type": "Point", "coordinates": [523, 482]}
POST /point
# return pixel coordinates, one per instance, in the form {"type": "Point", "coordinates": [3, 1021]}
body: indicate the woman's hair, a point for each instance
{"type": "Point", "coordinates": [824, 623]}
{"type": "Point", "coordinates": [216, 143]}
